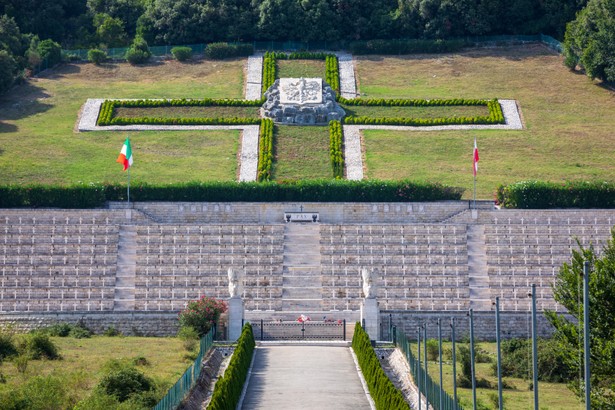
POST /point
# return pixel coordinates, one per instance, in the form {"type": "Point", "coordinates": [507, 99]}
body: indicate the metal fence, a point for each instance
{"type": "Point", "coordinates": [312, 330]}
{"type": "Point", "coordinates": [182, 387]}
{"type": "Point", "coordinates": [165, 51]}
{"type": "Point", "coordinates": [434, 393]}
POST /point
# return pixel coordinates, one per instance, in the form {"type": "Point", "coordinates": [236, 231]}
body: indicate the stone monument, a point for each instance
{"type": "Point", "coordinates": [370, 313]}
{"type": "Point", "coordinates": [235, 306]}
{"type": "Point", "coordinates": [301, 101]}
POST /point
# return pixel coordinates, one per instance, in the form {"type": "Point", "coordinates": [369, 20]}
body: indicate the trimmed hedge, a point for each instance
{"type": "Point", "coordinates": [107, 111]}
{"type": "Point", "coordinates": [220, 51]}
{"type": "Point", "coordinates": [496, 116]}
{"type": "Point", "coordinates": [331, 64]}
{"type": "Point", "coordinates": [182, 53]}
{"type": "Point", "coordinates": [544, 195]}
{"type": "Point", "coordinates": [336, 151]}
{"type": "Point", "coordinates": [414, 46]}
{"type": "Point", "coordinates": [227, 391]}
{"type": "Point", "coordinates": [265, 150]}
{"type": "Point", "coordinates": [382, 390]}
{"type": "Point", "coordinates": [329, 190]}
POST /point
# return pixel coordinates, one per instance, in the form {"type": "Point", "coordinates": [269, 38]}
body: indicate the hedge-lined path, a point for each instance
{"type": "Point", "coordinates": [304, 377]}
{"type": "Point", "coordinates": [348, 84]}
{"type": "Point", "coordinates": [254, 77]}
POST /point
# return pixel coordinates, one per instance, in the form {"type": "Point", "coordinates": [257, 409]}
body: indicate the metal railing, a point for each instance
{"type": "Point", "coordinates": [165, 51]}
{"type": "Point", "coordinates": [182, 387]}
{"type": "Point", "coordinates": [431, 390]}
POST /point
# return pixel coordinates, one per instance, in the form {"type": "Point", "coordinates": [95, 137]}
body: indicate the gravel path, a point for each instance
{"type": "Point", "coordinates": [348, 85]}
{"type": "Point", "coordinates": [352, 152]}
{"type": "Point", "coordinates": [254, 77]}
{"type": "Point", "coordinates": [396, 367]}
{"type": "Point", "coordinates": [248, 161]}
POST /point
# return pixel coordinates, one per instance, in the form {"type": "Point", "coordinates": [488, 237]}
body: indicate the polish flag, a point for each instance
{"type": "Point", "coordinates": [475, 158]}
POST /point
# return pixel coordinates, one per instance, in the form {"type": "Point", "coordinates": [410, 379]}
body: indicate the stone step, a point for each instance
{"type": "Point", "coordinates": [301, 305]}
{"type": "Point", "coordinates": [300, 281]}
{"type": "Point", "coordinates": [290, 293]}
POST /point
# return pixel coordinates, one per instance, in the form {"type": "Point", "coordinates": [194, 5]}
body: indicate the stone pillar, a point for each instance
{"type": "Point", "coordinates": [235, 318]}
{"type": "Point", "coordinates": [370, 313]}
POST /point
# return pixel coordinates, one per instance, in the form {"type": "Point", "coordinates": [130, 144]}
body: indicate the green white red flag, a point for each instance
{"type": "Point", "coordinates": [125, 157]}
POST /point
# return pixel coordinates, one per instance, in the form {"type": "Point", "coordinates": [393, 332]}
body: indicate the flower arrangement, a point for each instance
{"type": "Point", "coordinates": [303, 319]}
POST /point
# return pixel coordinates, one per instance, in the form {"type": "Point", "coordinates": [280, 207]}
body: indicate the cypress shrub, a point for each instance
{"type": "Point", "coordinates": [382, 390]}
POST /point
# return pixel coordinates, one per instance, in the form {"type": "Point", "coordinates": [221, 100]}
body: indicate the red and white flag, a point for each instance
{"type": "Point", "coordinates": [475, 159]}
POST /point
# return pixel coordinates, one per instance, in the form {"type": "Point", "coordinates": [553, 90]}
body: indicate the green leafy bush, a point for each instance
{"type": "Point", "coordinates": [125, 382]}
{"type": "Point", "coordinates": [111, 331]}
{"type": "Point", "coordinates": [96, 56]}
{"type": "Point", "coordinates": [382, 390]}
{"type": "Point", "coordinates": [49, 52]}
{"type": "Point", "coordinates": [220, 51]}
{"type": "Point", "coordinates": [7, 345]}
{"type": "Point", "coordinates": [544, 195]}
{"type": "Point", "coordinates": [336, 150]}
{"type": "Point", "coordinates": [202, 314]}
{"type": "Point", "coordinates": [326, 190]}
{"type": "Point", "coordinates": [269, 70]}
{"type": "Point", "coordinates": [38, 345]}
{"type": "Point", "coordinates": [59, 329]}
{"type": "Point", "coordinates": [139, 52]}
{"type": "Point", "coordinates": [332, 74]}
{"type": "Point", "coordinates": [182, 53]}
{"type": "Point", "coordinates": [228, 388]}
{"type": "Point", "coordinates": [265, 150]}
{"type": "Point", "coordinates": [432, 349]}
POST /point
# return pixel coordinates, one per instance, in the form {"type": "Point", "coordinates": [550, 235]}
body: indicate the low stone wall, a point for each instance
{"type": "Point", "coordinates": [512, 324]}
{"type": "Point", "coordinates": [129, 323]}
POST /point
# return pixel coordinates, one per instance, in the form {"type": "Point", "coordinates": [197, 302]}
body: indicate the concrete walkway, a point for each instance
{"type": "Point", "coordinates": [304, 377]}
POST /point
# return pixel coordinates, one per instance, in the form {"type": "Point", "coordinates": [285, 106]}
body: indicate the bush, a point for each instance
{"type": "Point", "coordinates": [7, 345]}
{"type": "Point", "coordinates": [96, 56]}
{"type": "Point", "coordinates": [125, 382]}
{"type": "Point", "coordinates": [432, 350]}
{"type": "Point", "coordinates": [336, 150]}
{"type": "Point", "coordinates": [182, 53]}
{"type": "Point", "coordinates": [265, 150]}
{"type": "Point", "coordinates": [382, 390]}
{"type": "Point", "coordinates": [80, 332]}
{"type": "Point", "coordinates": [67, 329]}
{"type": "Point", "coordinates": [544, 195]}
{"type": "Point", "coordinates": [189, 336]}
{"type": "Point", "coordinates": [46, 393]}
{"type": "Point", "coordinates": [50, 52]}
{"type": "Point", "coordinates": [8, 69]}
{"type": "Point", "coordinates": [111, 331]}
{"type": "Point", "coordinates": [228, 388]}
{"type": "Point", "coordinates": [38, 345]}
{"type": "Point", "coordinates": [202, 314]}
{"type": "Point", "coordinates": [220, 51]}
{"type": "Point", "coordinates": [139, 52]}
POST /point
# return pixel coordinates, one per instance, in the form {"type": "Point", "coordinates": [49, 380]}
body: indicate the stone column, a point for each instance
{"type": "Point", "coordinates": [235, 318]}
{"type": "Point", "coordinates": [370, 313]}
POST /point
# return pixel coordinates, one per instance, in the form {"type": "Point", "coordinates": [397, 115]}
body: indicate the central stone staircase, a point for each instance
{"type": "Point", "coordinates": [480, 298]}
{"type": "Point", "coordinates": [302, 283]}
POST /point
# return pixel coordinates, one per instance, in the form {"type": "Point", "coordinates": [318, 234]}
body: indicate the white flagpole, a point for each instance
{"type": "Point", "coordinates": [474, 170]}
{"type": "Point", "coordinates": [128, 187]}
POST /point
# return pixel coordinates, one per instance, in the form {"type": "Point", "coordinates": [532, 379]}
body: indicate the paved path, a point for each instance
{"type": "Point", "coordinates": [304, 377]}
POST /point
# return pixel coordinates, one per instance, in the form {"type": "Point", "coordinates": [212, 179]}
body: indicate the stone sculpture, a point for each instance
{"type": "Point", "coordinates": [233, 283]}
{"type": "Point", "coordinates": [369, 284]}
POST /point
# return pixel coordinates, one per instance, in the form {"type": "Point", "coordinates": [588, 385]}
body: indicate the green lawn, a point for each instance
{"type": "Point", "coordinates": [81, 366]}
{"type": "Point", "coordinates": [552, 396]}
{"type": "Point", "coordinates": [188, 112]}
{"type": "Point", "coordinates": [416, 112]}
{"type": "Point", "coordinates": [300, 68]}
{"type": "Point", "coordinates": [569, 119]}
{"type": "Point", "coordinates": [38, 142]}
{"type": "Point", "coordinates": [301, 153]}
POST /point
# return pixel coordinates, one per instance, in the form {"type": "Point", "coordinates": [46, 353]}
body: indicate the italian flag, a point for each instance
{"type": "Point", "coordinates": [125, 157]}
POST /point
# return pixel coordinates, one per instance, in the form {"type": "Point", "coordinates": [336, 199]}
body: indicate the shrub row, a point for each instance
{"type": "Point", "coordinates": [332, 74]}
{"type": "Point", "coordinates": [543, 195]}
{"type": "Point", "coordinates": [228, 388]}
{"type": "Point", "coordinates": [406, 46]}
{"type": "Point", "coordinates": [382, 390]}
{"type": "Point", "coordinates": [300, 55]}
{"type": "Point", "coordinates": [107, 111]}
{"type": "Point", "coordinates": [420, 121]}
{"type": "Point", "coordinates": [269, 70]}
{"type": "Point", "coordinates": [381, 102]}
{"type": "Point", "coordinates": [220, 51]}
{"type": "Point", "coordinates": [265, 150]}
{"type": "Point", "coordinates": [336, 151]}
{"type": "Point", "coordinates": [94, 195]}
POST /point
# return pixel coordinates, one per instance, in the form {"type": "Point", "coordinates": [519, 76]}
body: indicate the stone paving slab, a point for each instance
{"type": "Point", "coordinates": [304, 377]}
{"type": "Point", "coordinates": [348, 84]}
{"type": "Point", "coordinates": [254, 77]}
{"type": "Point", "coordinates": [352, 152]}
{"type": "Point", "coordinates": [248, 161]}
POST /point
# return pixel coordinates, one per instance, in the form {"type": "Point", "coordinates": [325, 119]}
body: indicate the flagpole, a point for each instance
{"type": "Point", "coordinates": [128, 187]}
{"type": "Point", "coordinates": [474, 190]}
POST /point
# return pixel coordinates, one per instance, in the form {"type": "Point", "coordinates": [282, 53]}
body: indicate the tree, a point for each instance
{"type": "Point", "coordinates": [567, 290]}
{"type": "Point", "coordinates": [139, 52]}
{"type": "Point", "coordinates": [50, 52]}
{"type": "Point", "coordinates": [7, 71]}
{"type": "Point", "coordinates": [590, 40]}
{"type": "Point", "coordinates": [110, 31]}
{"type": "Point", "coordinates": [126, 11]}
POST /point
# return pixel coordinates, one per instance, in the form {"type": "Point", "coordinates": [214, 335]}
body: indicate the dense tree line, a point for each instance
{"type": "Point", "coordinates": [115, 23]}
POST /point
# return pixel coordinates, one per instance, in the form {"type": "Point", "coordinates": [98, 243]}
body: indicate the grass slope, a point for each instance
{"type": "Point", "coordinates": [83, 360]}
{"type": "Point", "coordinates": [301, 153]}
{"type": "Point", "coordinates": [37, 122]}
{"type": "Point", "coordinates": [569, 119]}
